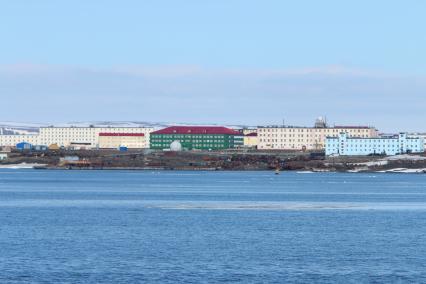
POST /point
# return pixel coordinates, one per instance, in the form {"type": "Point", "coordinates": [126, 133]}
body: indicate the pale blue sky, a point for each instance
{"type": "Point", "coordinates": [215, 61]}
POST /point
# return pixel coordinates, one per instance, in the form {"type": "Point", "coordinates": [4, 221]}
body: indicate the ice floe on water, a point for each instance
{"type": "Point", "coordinates": [191, 205]}
{"type": "Point", "coordinates": [21, 166]}
{"type": "Point", "coordinates": [404, 170]}
{"type": "Point", "coordinates": [295, 206]}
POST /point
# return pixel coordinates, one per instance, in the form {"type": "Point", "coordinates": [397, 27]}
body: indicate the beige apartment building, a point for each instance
{"type": "Point", "coordinates": [306, 138]}
{"type": "Point", "coordinates": [116, 140]}
{"type": "Point", "coordinates": [78, 137]}
{"type": "Point", "coordinates": [69, 136]}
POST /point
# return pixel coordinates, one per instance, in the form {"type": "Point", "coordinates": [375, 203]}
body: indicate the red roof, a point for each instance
{"type": "Point", "coordinates": [121, 134]}
{"type": "Point", "coordinates": [253, 134]}
{"type": "Point", "coordinates": [197, 130]}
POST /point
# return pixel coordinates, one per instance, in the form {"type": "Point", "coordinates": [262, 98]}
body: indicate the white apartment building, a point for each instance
{"type": "Point", "coordinates": [12, 140]}
{"type": "Point", "coordinates": [421, 135]}
{"type": "Point", "coordinates": [69, 136]}
{"type": "Point", "coordinates": [389, 145]}
{"type": "Point", "coordinates": [306, 138]}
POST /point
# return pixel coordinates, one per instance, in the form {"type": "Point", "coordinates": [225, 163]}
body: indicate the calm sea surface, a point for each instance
{"type": "Point", "coordinates": [210, 227]}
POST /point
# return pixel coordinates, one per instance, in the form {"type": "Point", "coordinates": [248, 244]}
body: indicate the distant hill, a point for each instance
{"type": "Point", "coordinates": [10, 127]}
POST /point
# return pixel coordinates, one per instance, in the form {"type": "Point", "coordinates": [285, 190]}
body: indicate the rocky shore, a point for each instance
{"type": "Point", "coordinates": [221, 160]}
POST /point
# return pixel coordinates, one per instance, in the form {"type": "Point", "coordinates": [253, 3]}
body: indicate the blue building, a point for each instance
{"type": "Point", "coordinates": [389, 145]}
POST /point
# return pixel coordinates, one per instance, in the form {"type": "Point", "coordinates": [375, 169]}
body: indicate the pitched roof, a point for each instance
{"type": "Point", "coordinates": [253, 134]}
{"type": "Point", "coordinates": [121, 134]}
{"type": "Point", "coordinates": [197, 130]}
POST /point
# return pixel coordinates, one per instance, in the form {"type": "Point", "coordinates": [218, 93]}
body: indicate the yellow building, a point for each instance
{"type": "Point", "coordinates": [116, 140]}
{"type": "Point", "coordinates": [250, 140]}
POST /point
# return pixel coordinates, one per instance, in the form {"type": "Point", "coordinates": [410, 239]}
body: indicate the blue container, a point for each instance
{"type": "Point", "coordinates": [24, 146]}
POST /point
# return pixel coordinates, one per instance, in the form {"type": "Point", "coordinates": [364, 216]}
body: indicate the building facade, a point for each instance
{"type": "Point", "coordinates": [75, 137]}
{"type": "Point", "coordinates": [306, 138]}
{"type": "Point", "coordinates": [116, 140]}
{"type": "Point", "coordinates": [197, 137]}
{"type": "Point", "coordinates": [389, 145]}
{"type": "Point", "coordinates": [13, 140]}
{"type": "Point", "coordinates": [66, 136]}
{"type": "Point", "coordinates": [421, 135]}
{"type": "Point", "coordinates": [250, 140]}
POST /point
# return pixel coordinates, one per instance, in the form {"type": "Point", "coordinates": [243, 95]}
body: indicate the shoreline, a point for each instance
{"type": "Point", "coordinates": [185, 169]}
{"type": "Point", "coordinates": [213, 161]}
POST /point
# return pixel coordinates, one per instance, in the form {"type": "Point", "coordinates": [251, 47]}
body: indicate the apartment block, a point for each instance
{"type": "Point", "coordinates": [197, 137]}
{"type": "Point", "coordinates": [87, 137]}
{"type": "Point", "coordinates": [390, 145]}
{"type": "Point", "coordinates": [306, 138]}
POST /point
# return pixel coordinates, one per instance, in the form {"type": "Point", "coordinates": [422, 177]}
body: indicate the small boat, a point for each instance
{"type": "Point", "coordinates": [277, 171]}
{"type": "Point", "coordinates": [42, 167]}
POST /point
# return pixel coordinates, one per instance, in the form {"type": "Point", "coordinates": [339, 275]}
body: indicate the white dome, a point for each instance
{"type": "Point", "coordinates": [176, 146]}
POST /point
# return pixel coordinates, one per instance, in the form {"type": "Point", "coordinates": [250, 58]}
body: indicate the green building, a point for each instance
{"type": "Point", "coordinates": [197, 137]}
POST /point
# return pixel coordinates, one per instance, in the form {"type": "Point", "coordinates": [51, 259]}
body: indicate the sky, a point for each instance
{"type": "Point", "coordinates": [223, 61]}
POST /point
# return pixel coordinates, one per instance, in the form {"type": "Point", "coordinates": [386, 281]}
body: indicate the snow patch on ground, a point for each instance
{"type": "Point", "coordinates": [385, 161]}
{"type": "Point", "coordinates": [373, 163]}
{"type": "Point", "coordinates": [405, 157]}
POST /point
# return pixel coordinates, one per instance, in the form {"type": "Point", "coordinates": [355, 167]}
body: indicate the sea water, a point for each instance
{"type": "Point", "coordinates": [211, 227]}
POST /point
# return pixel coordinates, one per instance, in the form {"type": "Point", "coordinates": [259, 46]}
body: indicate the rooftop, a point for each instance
{"type": "Point", "coordinates": [197, 130]}
{"type": "Point", "coordinates": [310, 127]}
{"type": "Point", "coordinates": [351, 126]}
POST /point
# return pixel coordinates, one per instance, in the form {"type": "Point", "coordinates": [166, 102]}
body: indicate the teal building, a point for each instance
{"type": "Point", "coordinates": [197, 137]}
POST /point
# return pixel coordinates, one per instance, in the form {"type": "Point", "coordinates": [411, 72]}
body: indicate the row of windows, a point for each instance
{"type": "Point", "coordinates": [166, 145]}
{"type": "Point", "coordinates": [159, 145]}
{"type": "Point", "coordinates": [285, 140]}
{"type": "Point", "coordinates": [173, 136]}
{"type": "Point", "coordinates": [338, 130]}
{"type": "Point", "coordinates": [307, 135]}
{"type": "Point", "coordinates": [365, 147]}
{"type": "Point", "coordinates": [387, 146]}
{"type": "Point", "coordinates": [374, 143]}
{"type": "Point", "coordinates": [188, 141]}
{"type": "Point", "coordinates": [367, 141]}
